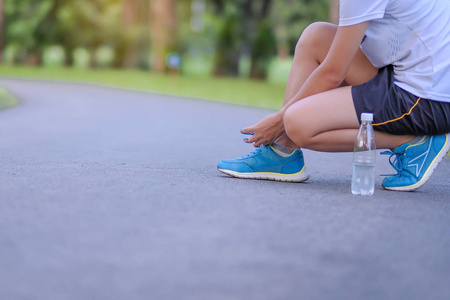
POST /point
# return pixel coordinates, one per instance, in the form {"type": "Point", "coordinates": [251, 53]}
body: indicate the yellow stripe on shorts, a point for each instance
{"type": "Point", "coordinates": [399, 118]}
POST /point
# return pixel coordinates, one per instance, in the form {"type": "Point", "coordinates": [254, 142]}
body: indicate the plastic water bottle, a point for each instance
{"type": "Point", "coordinates": [364, 155]}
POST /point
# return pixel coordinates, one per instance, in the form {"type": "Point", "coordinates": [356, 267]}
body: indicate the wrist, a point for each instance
{"type": "Point", "coordinates": [280, 114]}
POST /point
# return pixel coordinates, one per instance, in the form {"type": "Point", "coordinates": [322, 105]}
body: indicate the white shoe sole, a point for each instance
{"type": "Point", "coordinates": [296, 177]}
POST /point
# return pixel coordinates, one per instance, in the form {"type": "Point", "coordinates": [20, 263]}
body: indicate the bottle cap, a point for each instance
{"type": "Point", "coordinates": [367, 117]}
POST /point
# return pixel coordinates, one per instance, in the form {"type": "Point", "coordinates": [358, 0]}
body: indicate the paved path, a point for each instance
{"type": "Point", "coordinates": [111, 194]}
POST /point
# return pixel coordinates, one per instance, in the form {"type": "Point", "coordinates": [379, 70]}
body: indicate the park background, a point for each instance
{"type": "Point", "coordinates": [114, 194]}
{"type": "Point", "coordinates": [237, 51]}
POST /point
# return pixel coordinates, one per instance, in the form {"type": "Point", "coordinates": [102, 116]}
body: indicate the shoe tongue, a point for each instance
{"type": "Point", "coordinates": [401, 148]}
{"type": "Point", "coordinates": [263, 147]}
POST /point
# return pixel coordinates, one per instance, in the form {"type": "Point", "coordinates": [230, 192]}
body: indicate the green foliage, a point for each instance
{"type": "Point", "coordinates": [263, 50]}
{"type": "Point", "coordinates": [228, 47]}
{"type": "Point", "coordinates": [291, 17]}
{"type": "Point", "coordinates": [6, 99]}
{"type": "Point", "coordinates": [33, 25]}
{"type": "Point", "coordinates": [88, 24]}
{"type": "Point", "coordinates": [230, 31]}
{"type": "Point", "coordinates": [26, 24]}
{"type": "Point", "coordinates": [260, 29]}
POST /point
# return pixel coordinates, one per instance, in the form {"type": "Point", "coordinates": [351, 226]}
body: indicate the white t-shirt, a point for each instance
{"type": "Point", "coordinates": [411, 35]}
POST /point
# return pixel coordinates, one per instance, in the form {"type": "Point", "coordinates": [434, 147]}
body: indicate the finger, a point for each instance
{"type": "Point", "coordinates": [248, 130]}
{"type": "Point", "coordinates": [251, 139]}
{"type": "Point", "coordinates": [261, 141]}
{"type": "Point", "coordinates": [255, 140]}
{"type": "Point", "coordinates": [247, 140]}
{"type": "Point", "coordinates": [250, 133]}
{"type": "Point", "coordinates": [258, 143]}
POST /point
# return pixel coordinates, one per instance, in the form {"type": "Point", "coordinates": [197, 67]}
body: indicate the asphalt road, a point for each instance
{"type": "Point", "coordinates": [113, 194]}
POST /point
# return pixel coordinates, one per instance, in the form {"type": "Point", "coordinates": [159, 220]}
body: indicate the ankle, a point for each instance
{"type": "Point", "coordinates": [286, 142]}
{"type": "Point", "coordinates": [283, 150]}
{"type": "Point", "coordinates": [418, 139]}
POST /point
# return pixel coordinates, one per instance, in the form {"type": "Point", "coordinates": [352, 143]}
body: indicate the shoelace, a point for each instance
{"type": "Point", "coordinates": [254, 152]}
{"type": "Point", "coordinates": [397, 163]}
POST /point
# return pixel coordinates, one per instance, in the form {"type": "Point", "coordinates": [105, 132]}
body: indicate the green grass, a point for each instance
{"type": "Point", "coordinates": [236, 91]}
{"type": "Point", "coordinates": [6, 99]}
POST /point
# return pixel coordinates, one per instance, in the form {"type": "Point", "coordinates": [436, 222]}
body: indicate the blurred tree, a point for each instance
{"type": "Point", "coordinates": [261, 29]}
{"type": "Point", "coordinates": [98, 24]}
{"type": "Point", "coordinates": [334, 11]}
{"type": "Point", "coordinates": [133, 33]}
{"type": "Point", "coordinates": [26, 27]}
{"type": "Point", "coordinates": [245, 25]}
{"type": "Point", "coordinates": [33, 25]}
{"type": "Point", "coordinates": [227, 47]}
{"type": "Point", "coordinates": [263, 49]}
{"type": "Point", "coordinates": [163, 32]}
{"type": "Point", "coordinates": [90, 24]}
{"type": "Point", "coordinates": [291, 17]}
{"type": "Point", "coordinates": [239, 28]}
{"type": "Point", "coordinates": [73, 26]}
{"type": "Point", "coordinates": [57, 32]}
{"type": "Point", "coordinates": [262, 39]}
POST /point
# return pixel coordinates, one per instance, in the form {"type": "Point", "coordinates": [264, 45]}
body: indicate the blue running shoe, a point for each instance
{"type": "Point", "coordinates": [415, 163]}
{"type": "Point", "coordinates": [265, 163]}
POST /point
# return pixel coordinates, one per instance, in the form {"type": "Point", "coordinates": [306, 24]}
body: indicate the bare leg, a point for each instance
{"type": "Point", "coordinates": [336, 128]}
{"type": "Point", "coordinates": [310, 52]}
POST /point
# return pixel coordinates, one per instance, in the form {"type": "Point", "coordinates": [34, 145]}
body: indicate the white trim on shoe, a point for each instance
{"type": "Point", "coordinates": [296, 177]}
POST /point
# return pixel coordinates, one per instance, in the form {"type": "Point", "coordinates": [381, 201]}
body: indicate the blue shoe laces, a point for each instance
{"type": "Point", "coordinates": [254, 152]}
{"type": "Point", "coordinates": [396, 163]}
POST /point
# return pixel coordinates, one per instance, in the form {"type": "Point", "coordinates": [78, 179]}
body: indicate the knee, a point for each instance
{"type": "Point", "coordinates": [316, 36]}
{"type": "Point", "coordinates": [295, 128]}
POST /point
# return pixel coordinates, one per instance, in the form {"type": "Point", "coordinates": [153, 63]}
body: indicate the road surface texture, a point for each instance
{"type": "Point", "coordinates": [113, 194]}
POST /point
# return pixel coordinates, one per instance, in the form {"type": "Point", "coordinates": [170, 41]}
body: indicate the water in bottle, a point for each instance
{"type": "Point", "coordinates": [364, 155]}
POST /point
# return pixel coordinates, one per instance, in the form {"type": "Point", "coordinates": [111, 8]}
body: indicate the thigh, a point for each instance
{"type": "Point", "coordinates": [329, 122]}
{"type": "Point", "coordinates": [327, 111]}
{"type": "Point", "coordinates": [317, 39]}
{"type": "Point", "coordinates": [312, 49]}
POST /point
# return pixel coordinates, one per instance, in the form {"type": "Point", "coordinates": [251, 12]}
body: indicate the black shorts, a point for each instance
{"type": "Point", "coordinates": [397, 111]}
